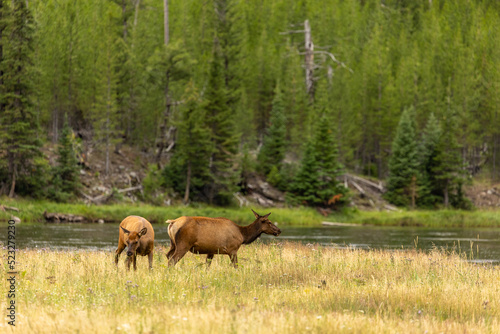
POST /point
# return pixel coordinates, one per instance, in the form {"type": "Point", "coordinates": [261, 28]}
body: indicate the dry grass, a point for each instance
{"type": "Point", "coordinates": [279, 288]}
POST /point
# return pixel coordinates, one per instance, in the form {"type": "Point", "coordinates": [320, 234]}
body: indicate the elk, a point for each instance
{"type": "Point", "coordinates": [137, 234]}
{"type": "Point", "coordinates": [203, 235]}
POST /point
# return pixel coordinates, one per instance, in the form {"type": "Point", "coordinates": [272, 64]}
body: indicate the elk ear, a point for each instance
{"type": "Point", "coordinates": [143, 231]}
{"type": "Point", "coordinates": [266, 215]}
{"type": "Point", "coordinates": [255, 214]}
{"type": "Point", "coordinates": [125, 230]}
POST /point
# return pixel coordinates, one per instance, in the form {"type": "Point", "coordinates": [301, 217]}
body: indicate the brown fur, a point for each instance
{"type": "Point", "coordinates": [203, 235]}
{"type": "Point", "coordinates": [137, 234]}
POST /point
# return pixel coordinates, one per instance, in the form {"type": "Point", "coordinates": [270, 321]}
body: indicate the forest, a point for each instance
{"type": "Point", "coordinates": [212, 91]}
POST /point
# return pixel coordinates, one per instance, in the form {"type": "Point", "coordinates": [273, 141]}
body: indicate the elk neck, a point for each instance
{"type": "Point", "coordinates": [251, 232]}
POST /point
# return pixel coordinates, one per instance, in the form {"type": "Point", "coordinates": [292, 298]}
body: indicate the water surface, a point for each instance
{"type": "Point", "coordinates": [485, 242]}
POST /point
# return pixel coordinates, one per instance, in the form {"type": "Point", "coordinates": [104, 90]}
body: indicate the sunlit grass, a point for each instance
{"type": "Point", "coordinates": [279, 288]}
{"type": "Point", "coordinates": [33, 211]}
{"type": "Point", "coordinates": [435, 218]}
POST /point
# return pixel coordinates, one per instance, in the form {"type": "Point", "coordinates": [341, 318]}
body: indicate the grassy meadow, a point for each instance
{"type": "Point", "coordinates": [32, 211]}
{"type": "Point", "coordinates": [279, 288]}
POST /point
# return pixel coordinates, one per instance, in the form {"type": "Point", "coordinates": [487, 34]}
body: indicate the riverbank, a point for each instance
{"type": "Point", "coordinates": [279, 288]}
{"type": "Point", "coordinates": [429, 218]}
{"type": "Point", "coordinates": [32, 211]}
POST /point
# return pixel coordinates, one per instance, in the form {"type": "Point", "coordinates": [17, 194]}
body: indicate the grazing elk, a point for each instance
{"type": "Point", "coordinates": [202, 235]}
{"type": "Point", "coordinates": [137, 234]}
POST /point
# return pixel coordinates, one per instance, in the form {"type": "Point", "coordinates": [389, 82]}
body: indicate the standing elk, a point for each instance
{"type": "Point", "coordinates": [137, 234]}
{"type": "Point", "coordinates": [202, 235]}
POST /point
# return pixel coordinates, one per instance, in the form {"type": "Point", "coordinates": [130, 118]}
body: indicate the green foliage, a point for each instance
{"type": "Point", "coordinates": [328, 166]}
{"type": "Point", "coordinates": [306, 182]}
{"type": "Point", "coordinates": [19, 141]}
{"type": "Point", "coordinates": [220, 120]}
{"type": "Point", "coordinates": [153, 185]}
{"type": "Point", "coordinates": [430, 193]}
{"type": "Point", "coordinates": [66, 174]}
{"type": "Point", "coordinates": [105, 65]}
{"type": "Point", "coordinates": [404, 175]}
{"type": "Point", "coordinates": [274, 177]}
{"type": "Point", "coordinates": [273, 149]}
{"type": "Point", "coordinates": [190, 163]}
{"type": "Point", "coordinates": [316, 182]}
{"type": "Point", "coordinates": [448, 170]}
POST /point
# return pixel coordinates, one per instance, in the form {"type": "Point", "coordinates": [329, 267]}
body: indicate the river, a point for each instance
{"type": "Point", "coordinates": [485, 242]}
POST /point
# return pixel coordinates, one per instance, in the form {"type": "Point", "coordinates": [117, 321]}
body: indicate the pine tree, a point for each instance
{"type": "Point", "coordinates": [67, 171]}
{"type": "Point", "coordinates": [328, 166]}
{"type": "Point", "coordinates": [193, 147]}
{"type": "Point", "coordinates": [227, 35]}
{"type": "Point", "coordinates": [306, 183]}
{"type": "Point", "coordinates": [19, 125]}
{"type": "Point", "coordinates": [447, 168]}
{"type": "Point", "coordinates": [404, 176]}
{"type": "Point", "coordinates": [273, 149]}
{"type": "Point", "coordinates": [220, 120]}
{"type": "Point", "coordinates": [430, 193]}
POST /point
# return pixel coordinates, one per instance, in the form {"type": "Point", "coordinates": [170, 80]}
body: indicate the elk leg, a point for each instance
{"type": "Point", "coordinates": [171, 251]}
{"type": "Point", "coordinates": [234, 259]}
{"type": "Point", "coordinates": [150, 259]}
{"type": "Point", "coordinates": [129, 260]}
{"type": "Point", "coordinates": [119, 250]}
{"type": "Point", "coordinates": [134, 260]}
{"type": "Point", "coordinates": [178, 254]}
{"type": "Point", "coordinates": [209, 259]}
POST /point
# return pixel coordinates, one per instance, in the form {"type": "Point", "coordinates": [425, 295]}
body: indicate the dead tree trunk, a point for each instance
{"type": "Point", "coordinates": [166, 131]}
{"type": "Point", "coordinates": [165, 18]}
{"type": "Point", "coordinates": [309, 60]}
{"type": "Point", "coordinates": [188, 183]}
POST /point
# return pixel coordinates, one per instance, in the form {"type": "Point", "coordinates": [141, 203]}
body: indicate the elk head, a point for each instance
{"type": "Point", "coordinates": [133, 240]}
{"type": "Point", "coordinates": [266, 225]}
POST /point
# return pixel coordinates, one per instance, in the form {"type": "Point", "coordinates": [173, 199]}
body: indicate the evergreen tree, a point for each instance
{"type": "Point", "coordinates": [306, 183]}
{"type": "Point", "coordinates": [189, 168]}
{"type": "Point", "coordinates": [18, 136]}
{"type": "Point", "coordinates": [228, 36]}
{"type": "Point", "coordinates": [447, 168]}
{"type": "Point", "coordinates": [220, 120]}
{"type": "Point", "coordinates": [67, 172]}
{"type": "Point", "coordinates": [328, 166]}
{"type": "Point", "coordinates": [430, 193]}
{"type": "Point", "coordinates": [273, 149]}
{"type": "Point", "coordinates": [404, 176]}
{"type": "Point", "coordinates": [316, 181]}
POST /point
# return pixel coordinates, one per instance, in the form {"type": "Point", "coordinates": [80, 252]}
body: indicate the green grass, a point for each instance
{"type": "Point", "coordinates": [436, 218]}
{"type": "Point", "coordinates": [33, 211]}
{"type": "Point", "coordinates": [278, 288]}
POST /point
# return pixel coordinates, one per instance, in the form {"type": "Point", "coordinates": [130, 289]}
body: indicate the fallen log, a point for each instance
{"type": "Point", "coordinates": [358, 187]}
{"type": "Point", "coordinates": [338, 224]}
{"type": "Point", "coordinates": [10, 208]}
{"type": "Point", "coordinates": [55, 217]}
{"type": "Point", "coordinates": [369, 183]}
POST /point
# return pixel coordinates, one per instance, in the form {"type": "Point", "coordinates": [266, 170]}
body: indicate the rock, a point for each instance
{"type": "Point", "coordinates": [266, 191]}
{"type": "Point", "coordinates": [17, 220]}
{"type": "Point", "coordinates": [261, 200]}
{"type": "Point", "coordinates": [100, 221]}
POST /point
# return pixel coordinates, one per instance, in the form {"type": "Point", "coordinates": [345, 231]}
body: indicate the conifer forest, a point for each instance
{"type": "Point", "coordinates": [212, 91]}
